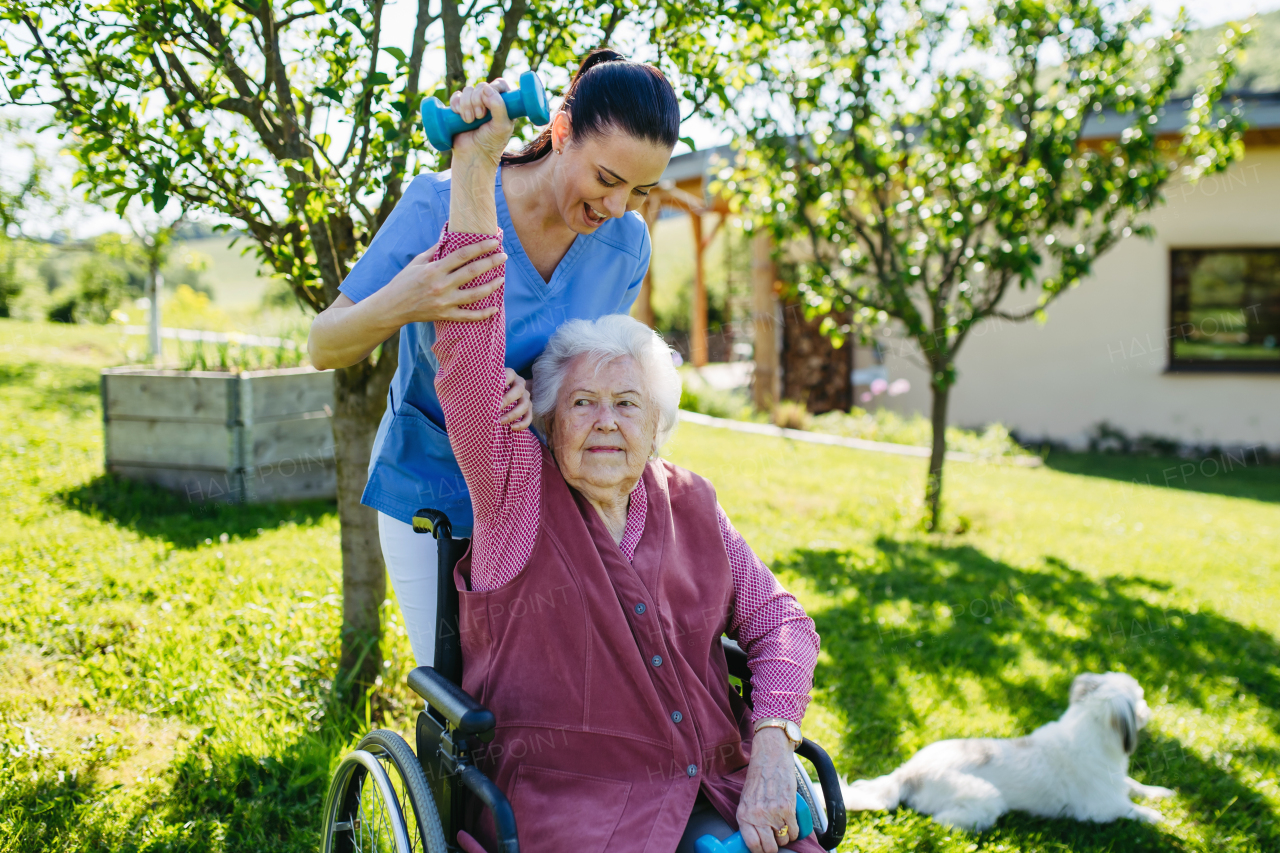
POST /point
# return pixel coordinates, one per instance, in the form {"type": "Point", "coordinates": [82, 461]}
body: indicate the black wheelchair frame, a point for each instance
{"type": "Point", "coordinates": [454, 727]}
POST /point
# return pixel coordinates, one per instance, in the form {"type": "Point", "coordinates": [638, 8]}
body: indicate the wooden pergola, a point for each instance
{"type": "Point", "coordinates": [684, 188]}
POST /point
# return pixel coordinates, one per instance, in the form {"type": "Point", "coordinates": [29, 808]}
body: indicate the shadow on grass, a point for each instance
{"type": "Point", "coordinates": [40, 388]}
{"type": "Point", "coordinates": [257, 803]}
{"type": "Point", "coordinates": [956, 616]}
{"type": "Point", "coordinates": [158, 513]}
{"type": "Point", "coordinates": [18, 374]}
{"type": "Point", "coordinates": [1238, 474]}
{"type": "Point", "coordinates": [212, 799]}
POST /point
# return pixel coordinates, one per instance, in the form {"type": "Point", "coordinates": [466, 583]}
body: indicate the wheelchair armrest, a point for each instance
{"type": "Point", "coordinates": [504, 817]}
{"type": "Point", "coordinates": [736, 658]}
{"type": "Point", "coordinates": [831, 794]}
{"type": "Point", "coordinates": [466, 715]}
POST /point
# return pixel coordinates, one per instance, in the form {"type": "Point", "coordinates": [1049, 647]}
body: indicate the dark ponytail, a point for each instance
{"type": "Point", "coordinates": [611, 92]}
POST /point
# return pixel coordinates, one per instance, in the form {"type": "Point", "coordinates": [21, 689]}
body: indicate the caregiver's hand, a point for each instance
{"type": "Point", "coordinates": [769, 796]}
{"type": "Point", "coordinates": [424, 291]}
{"type": "Point", "coordinates": [427, 290]}
{"type": "Point", "coordinates": [518, 401]}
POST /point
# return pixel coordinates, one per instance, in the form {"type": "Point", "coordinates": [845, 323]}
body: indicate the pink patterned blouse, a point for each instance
{"type": "Point", "coordinates": [502, 469]}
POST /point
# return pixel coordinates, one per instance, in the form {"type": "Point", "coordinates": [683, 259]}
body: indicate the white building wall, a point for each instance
{"type": "Point", "coordinates": [1101, 353]}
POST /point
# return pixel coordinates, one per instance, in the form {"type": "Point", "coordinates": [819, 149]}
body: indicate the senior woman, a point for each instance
{"type": "Point", "coordinates": [566, 204]}
{"type": "Point", "coordinates": [597, 586]}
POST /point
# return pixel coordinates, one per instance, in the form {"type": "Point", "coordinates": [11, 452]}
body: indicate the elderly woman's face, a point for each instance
{"type": "Point", "coordinates": [604, 424]}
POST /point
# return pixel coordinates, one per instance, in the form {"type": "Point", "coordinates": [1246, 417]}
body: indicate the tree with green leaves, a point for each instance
{"type": "Point", "coordinates": [297, 120]}
{"type": "Point", "coordinates": [925, 164]}
{"type": "Point", "coordinates": [18, 195]}
{"type": "Point", "coordinates": [95, 291]}
{"type": "Point", "coordinates": [149, 250]}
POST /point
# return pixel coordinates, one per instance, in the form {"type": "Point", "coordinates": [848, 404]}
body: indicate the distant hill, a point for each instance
{"type": "Point", "coordinates": [1260, 62]}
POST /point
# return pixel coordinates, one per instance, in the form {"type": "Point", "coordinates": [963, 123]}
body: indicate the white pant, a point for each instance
{"type": "Point", "coordinates": [411, 565]}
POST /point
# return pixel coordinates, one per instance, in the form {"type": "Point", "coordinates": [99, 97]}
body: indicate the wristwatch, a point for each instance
{"type": "Point", "coordinates": [791, 730]}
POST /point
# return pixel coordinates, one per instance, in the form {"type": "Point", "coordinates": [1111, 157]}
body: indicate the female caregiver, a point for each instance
{"type": "Point", "coordinates": [574, 249]}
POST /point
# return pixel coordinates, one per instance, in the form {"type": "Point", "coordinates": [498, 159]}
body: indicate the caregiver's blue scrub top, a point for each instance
{"type": "Point", "coordinates": [412, 464]}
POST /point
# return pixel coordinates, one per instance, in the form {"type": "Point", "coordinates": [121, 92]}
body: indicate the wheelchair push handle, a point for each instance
{"type": "Point", "coordinates": [735, 844]}
{"type": "Point", "coordinates": [432, 521]}
{"type": "Point", "coordinates": [441, 123]}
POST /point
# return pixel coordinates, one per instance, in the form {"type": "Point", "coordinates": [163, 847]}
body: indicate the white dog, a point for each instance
{"type": "Point", "coordinates": [1076, 767]}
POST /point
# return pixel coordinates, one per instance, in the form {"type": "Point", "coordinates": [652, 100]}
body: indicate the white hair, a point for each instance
{"type": "Point", "coordinates": [604, 339]}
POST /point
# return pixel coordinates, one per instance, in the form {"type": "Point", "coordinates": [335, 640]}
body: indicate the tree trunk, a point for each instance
{"type": "Point", "coordinates": [360, 397]}
{"type": "Point", "coordinates": [698, 306]}
{"type": "Point", "coordinates": [455, 72]}
{"type": "Point", "coordinates": [766, 376]}
{"type": "Point", "coordinates": [510, 32]}
{"type": "Point", "coordinates": [155, 283]}
{"type": "Point", "coordinates": [814, 372]}
{"type": "Point", "coordinates": [938, 455]}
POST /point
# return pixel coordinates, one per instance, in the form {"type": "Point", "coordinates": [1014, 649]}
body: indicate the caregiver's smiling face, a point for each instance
{"type": "Point", "coordinates": [604, 425]}
{"type": "Point", "coordinates": [602, 176]}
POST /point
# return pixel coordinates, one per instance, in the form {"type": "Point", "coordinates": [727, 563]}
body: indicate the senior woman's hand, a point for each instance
{"type": "Point", "coordinates": [769, 797]}
{"type": "Point", "coordinates": [488, 141]}
{"type": "Point", "coordinates": [476, 157]}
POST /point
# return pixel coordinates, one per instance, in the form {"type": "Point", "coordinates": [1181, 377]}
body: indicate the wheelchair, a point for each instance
{"type": "Point", "coordinates": [384, 797]}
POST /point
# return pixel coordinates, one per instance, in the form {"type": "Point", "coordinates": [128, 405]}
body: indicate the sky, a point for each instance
{"type": "Point", "coordinates": [398, 30]}
{"type": "Point", "coordinates": [704, 134]}
{"type": "Point", "coordinates": [1210, 12]}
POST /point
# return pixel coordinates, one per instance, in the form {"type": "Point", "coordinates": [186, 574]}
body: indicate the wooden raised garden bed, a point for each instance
{"type": "Point", "coordinates": [251, 436]}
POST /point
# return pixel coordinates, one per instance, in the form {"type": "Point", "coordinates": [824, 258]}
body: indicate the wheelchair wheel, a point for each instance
{"type": "Point", "coordinates": [379, 800]}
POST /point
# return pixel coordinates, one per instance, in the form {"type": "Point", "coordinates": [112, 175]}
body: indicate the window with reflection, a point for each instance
{"type": "Point", "coordinates": [1225, 309]}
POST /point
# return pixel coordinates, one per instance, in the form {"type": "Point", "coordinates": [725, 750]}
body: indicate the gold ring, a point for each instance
{"type": "Point", "coordinates": [784, 830]}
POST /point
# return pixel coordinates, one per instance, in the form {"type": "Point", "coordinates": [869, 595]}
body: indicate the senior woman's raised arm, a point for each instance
{"type": "Point", "coordinates": [502, 467]}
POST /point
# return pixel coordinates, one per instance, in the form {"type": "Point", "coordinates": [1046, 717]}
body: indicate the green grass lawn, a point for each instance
{"type": "Point", "coordinates": [164, 668]}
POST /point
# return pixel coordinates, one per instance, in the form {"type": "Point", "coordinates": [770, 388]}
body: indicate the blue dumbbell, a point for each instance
{"type": "Point", "coordinates": [441, 123]}
{"type": "Point", "coordinates": [735, 844]}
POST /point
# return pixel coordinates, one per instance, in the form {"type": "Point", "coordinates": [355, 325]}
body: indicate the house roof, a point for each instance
{"type": "Point", "coordinates": [695, 164]}
{"type": "Point", "coordinates": [1261, 114]}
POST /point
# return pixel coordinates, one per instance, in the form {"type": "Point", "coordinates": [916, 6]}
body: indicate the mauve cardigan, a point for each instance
{"type": "Point", "coordinates": [503, 472]}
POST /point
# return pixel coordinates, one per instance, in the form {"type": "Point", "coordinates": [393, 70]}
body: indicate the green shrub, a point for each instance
{"type": "Point", "coordinates": [916, 430]}
{"type": "Point", "coordinates": [17, 259]}
{"type": "Point", "coordinates": [98, 289]}
{"type": "Point", "coordinates": [791, 415]}
{"type": "Point", "coordinates": [187, 308]}
{"type": "Point", "coordinates": [235, 355]}
{"type": "Point", "coordinates": [697, 396]}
